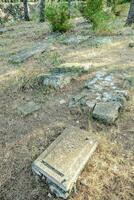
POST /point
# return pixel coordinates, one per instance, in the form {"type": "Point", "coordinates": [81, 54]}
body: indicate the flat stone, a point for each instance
{"type": "Point", "coordinates": [28, 108]}
{"type": "Point", "coordinates": [24, 54]}
{"type": "Point", "coordinates": [106, 112]}
{"type": "Point", "coordinates": [62, 162]}
{"type": "Point", "coordinates": [54, 80]}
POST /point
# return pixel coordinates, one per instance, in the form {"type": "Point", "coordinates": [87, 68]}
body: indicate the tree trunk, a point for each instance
{"type": "Point", "coordinates": [26, 14]}
{"type": "Point", "coordinates": [130, 18]}
{"type": "Point", "coordinates": [69, 8]}
{"type": "Point", "coordinates": [41, 10]}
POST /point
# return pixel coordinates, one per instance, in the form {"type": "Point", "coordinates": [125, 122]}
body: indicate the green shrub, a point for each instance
{"type": "Point", "coordinates": [57, 15]}
{"type": "Point", "coordinates": [92, 10]}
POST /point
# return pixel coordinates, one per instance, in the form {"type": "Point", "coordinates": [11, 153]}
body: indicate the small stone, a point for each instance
{"type": "Point", "coordinates": [109, 78]}
{"type": "Point", "coordinates": [106, 112]}
{"type": "Point", "coordinates": [28, 108]}
{"type": "Point", "coordinates": [91, 104]}
{"type": "Point", "coordinates": [131, 44]}
{"type": "Point", "coordinates": [116, 96]}
{"type": "Point", "coordinates": [84, 182]}
{"type": "Point", "coordinates": [62, 101]}
{"type": "Point", "coordinates": [49, 195]}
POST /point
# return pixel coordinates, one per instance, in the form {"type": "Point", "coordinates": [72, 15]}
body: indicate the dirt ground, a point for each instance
{"type": "Point", "coordinates": [109, 174]}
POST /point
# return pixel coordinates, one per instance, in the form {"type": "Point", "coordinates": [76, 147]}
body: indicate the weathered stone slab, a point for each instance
{"type": "Point", "coordinates": [24, 54]}
{"type": "Point", "coordinates": [28, 108]}
{"type": "Point", "coordinates": [62, 162]}
{"type": "Point", "coordinates": [106, 112]}
{"type": "Point", "coordinates": [54, 80]}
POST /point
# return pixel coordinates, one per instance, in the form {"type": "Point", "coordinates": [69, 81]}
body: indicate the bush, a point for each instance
{"type": "Point", "coordinates": [57, 14]}
{"type": "Point", "coordinates": [92, 10]}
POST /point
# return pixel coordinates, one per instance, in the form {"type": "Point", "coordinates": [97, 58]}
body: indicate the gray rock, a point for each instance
{"type": "Point", "coordinates": [115, 96]}
{"type": "Point", "coordinates": [91, 104]}
{"type": "Point", "coordinates": [106, 112]}
{"type": "Point", "coordinates": [109, 78]}
{"type": "Point", "coordinates": [28, 108]}
{"type": "Point", "coordinates": [55, 80]}
{"type": "Point", "coordinates": [131, 45]}
{"type": "Point", "coordinates": [77, 100]}
{"type": "Point", "coordinates": [24, 54]}
{"type": "Point", "coordinates": [95, 82]}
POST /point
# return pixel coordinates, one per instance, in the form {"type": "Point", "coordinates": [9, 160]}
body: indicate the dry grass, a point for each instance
{"type": "Point", "coordinates": [109, 175]}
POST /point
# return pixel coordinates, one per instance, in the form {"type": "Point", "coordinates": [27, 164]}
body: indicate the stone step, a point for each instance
{"type": "Point", "coordinates": [62, 162]}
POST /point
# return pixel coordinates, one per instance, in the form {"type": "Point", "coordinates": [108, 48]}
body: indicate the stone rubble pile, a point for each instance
{"type": "Point", "coordinates": [103, 96]}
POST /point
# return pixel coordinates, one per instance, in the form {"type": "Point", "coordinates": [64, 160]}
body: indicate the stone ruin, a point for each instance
{"type": "Point", "coordinates": [102, 96]}
{"type": "Point", "coordinates": [62, 162]}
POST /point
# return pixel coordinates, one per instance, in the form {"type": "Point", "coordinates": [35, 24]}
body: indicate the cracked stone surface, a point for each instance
{"type": "Point", "coordinates": [62, 162]}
